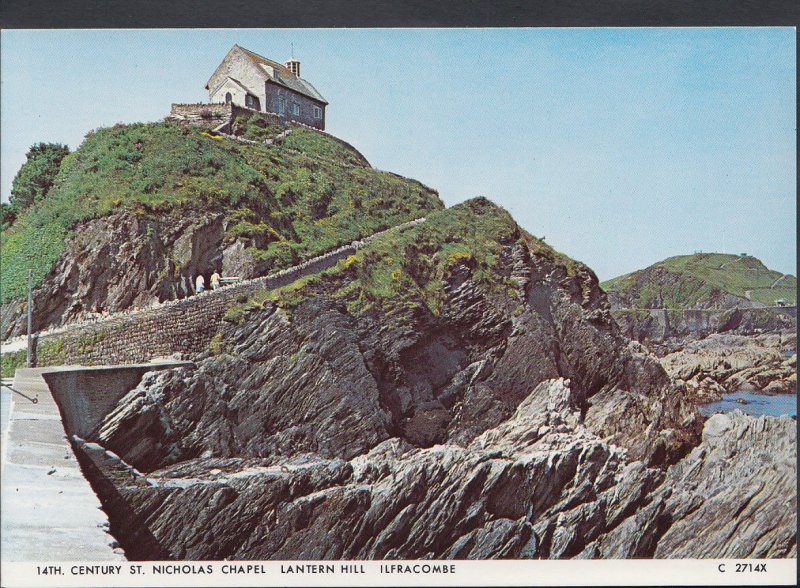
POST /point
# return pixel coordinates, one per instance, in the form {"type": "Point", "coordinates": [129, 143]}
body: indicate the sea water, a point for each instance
{"type": "Point", "coordinates": [756, 404]}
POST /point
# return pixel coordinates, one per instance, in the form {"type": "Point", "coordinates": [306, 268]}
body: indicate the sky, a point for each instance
{"type": "Point", "coordinates": [620, 147]}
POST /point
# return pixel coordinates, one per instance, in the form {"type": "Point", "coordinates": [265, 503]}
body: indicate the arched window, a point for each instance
{"type": "Point", "coordinates": [228, 98]}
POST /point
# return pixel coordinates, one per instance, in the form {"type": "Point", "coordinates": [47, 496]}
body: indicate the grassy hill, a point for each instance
{"type": "Point", "coordinates": [702, 280]}
{"type": "Point", "coordinates": [292, 200]}
{"type": "Point", "coordinates": [408, 268]}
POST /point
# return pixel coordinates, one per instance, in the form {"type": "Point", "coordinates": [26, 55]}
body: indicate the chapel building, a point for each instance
{"type": "Point", "coordinates": [247, 79]}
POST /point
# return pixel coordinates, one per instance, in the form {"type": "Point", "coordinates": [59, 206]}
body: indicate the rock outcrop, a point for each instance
{"type": "Point", "coordinates": [477, 403]}
{"type": "Point", "coordinates": [729, 363]}
{"type": "Point", "coordinates": [737, 490]}
{"type": "Point", "coordinates": [122, 261]}
{"type": "Point", "coordinates": [668, 326]}
{"type": "Point", "coordinates": [539, 485]}
{"type": "Point", "coordinates": [319, 378]}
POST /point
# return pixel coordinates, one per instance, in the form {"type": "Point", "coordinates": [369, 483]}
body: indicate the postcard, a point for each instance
{"type": "Point", "coordinates": [407, 306]}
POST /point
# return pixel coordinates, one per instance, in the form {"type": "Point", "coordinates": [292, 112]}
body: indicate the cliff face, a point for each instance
{"type": "Point", "coordinates": [670, 326]}
{"type": "Point", "coordinates": [480, 414]}
{"type": "Point", "coordinates": [539, 485]}
{"type": "Point", "coordinates": [404, 371]}
{"type": "Point", "coordinates": [137, 211]}
{"type": "Point", "coordinates": [122, 261]}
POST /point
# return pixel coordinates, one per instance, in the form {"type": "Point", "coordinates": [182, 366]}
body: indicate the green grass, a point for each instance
{"type": "Point", "coordinates": [289, 202]}
{"type": "Point", "coordinates": [49, 352]}
{"type": "Point", "coordinates": [317, 145]}
{"type": "Point", "coordinates": [688, 280]}
{"type": "Point", "coordinates": [256, 128]}
{"type": "Point", "coordinates": [9, 362]}
{"type": "Point", "coordinates": [408, 268]}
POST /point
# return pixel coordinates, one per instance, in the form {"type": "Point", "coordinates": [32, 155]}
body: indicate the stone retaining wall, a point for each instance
{"type": "Point", "coordinates": [178, 326]}
{"type": "Point", "coordinates": [215, 114]}
{"type": "Point", "coordinates": [186, 326]}
{"type": "Point", "coordinates": [85, 396]}
{"type": "Point", "coordinates": [200, 114]}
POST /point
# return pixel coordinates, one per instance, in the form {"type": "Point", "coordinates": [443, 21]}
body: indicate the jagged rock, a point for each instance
{"type": "Point", "coordinates": [323, 380]}
{"type": "Point", "coordinates": [514, 422]}
{"type": "Point", "coordinates": [729, 363]}
{"type": "Point", "coordinates": [737, 491]}
{"type": "Point", "coordinates": [538, 485]}
{"type": "Point", "coordinates": [126, 260]}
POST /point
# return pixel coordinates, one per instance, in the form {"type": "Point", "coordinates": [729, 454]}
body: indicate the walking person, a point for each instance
{"type": "Point", "coordinates": [200, 284]}
{"type": "Point", "coordinates": [215, 278]}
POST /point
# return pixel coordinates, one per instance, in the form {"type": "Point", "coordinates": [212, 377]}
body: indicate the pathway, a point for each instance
{"type": "Point", "coordinates": [294, 273]}
{"type": "Point", "coordinates": [50, 512]}
{"type": "Point", "coordinates": [776, 281]}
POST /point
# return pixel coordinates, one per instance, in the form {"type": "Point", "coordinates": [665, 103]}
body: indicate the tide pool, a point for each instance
{"type": "Point", "coordinates": [756, 404]}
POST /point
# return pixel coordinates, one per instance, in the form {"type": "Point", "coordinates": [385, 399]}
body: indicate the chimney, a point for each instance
{"type": "Point", "coordinates": [294, 66]}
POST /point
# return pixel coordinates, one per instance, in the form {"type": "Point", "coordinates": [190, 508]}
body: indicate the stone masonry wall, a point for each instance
{"type": "Point", "coordinates": [178, 326]}
{"type": "Point", "coordinates": [185, 326]}
{"type": "Point", "coordinates": [274, 93]}
{"type": "Point", "coordinates": [213, 115]}
{"type": "Point", "coordinates": [200, 114]}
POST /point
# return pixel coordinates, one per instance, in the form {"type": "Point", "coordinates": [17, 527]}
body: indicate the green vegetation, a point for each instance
{"type": "Point", "coordinates": [407, 268]}
{"type": "Point", "coordinates": [36, 176]}
{"type": "Point", "coordinates": [218, 345]}
{"type": "Point", "coordinates": [9, 362]}
{"type": "Point", "coordinates": [86, 343]}
{"type": "Point", "coordinates": [323, 147]}
{"type": "Point", "coordinates": [288, 202]}
{"type": "Point", "coordinates": [688, 281]}
{"type": "Point", "coordinates": [49, 352]}
{"type": "Point", "coordinates": [7, 215]}
{"type": "Point", "coordinates": [254, 127]}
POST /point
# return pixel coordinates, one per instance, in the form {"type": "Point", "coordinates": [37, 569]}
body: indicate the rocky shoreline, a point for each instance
{"type": "Point", "coordinates": [513, 422]}
{"type": "Point", "coordinates": [539, 485]}
{"type": "Point", "coordinates": [725, 363]}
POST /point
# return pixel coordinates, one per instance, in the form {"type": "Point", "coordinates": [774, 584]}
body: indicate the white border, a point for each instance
{"type": "Point", "coordinates": [638, 572]}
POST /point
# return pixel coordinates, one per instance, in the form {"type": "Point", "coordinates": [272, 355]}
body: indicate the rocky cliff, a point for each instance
{"type": "Point", "coordinates": [539, 485]}
{"type": "Point", "coordinates": [670, 327]}
{"type": "Point", "coordinates": [138, 211]}
{"type": "Point", "coordinates": [459, 391]}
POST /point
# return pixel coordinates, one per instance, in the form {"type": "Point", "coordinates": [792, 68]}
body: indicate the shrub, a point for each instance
{"type": "Point", "coordinates": [36, 176]}
{"type": "Point", "coordinates": [7, 215]}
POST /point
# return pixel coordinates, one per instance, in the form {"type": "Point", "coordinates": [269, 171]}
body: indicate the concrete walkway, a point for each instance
{"type": "Point", "coordinates": [50, 512]}
{"type": "Point", "coordinates": [21, 343]}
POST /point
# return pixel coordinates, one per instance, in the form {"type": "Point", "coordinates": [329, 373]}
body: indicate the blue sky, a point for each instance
{"type": "Point", "coordinates": [620, 146]}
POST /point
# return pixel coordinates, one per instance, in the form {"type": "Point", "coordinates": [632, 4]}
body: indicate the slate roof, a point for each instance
{"type": "Point", "coordinates": [282, 76]}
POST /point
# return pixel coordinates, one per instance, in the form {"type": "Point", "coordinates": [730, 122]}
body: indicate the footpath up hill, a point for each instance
{"type": "Point", "coordinates": [702, 281]}
{"type": "Point", "coordinates": [137, 211]}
